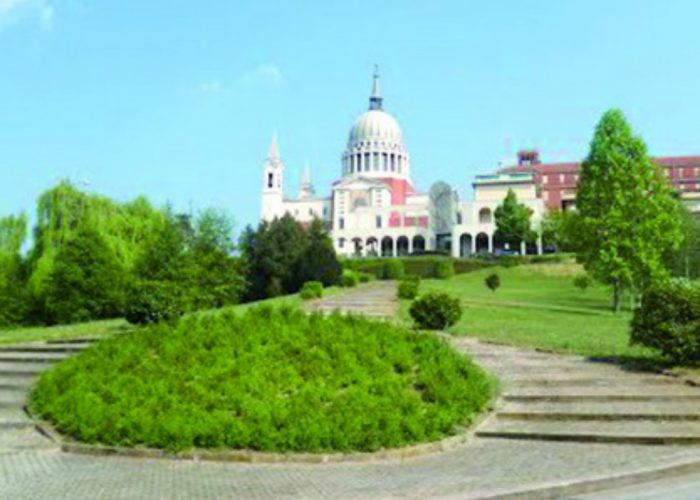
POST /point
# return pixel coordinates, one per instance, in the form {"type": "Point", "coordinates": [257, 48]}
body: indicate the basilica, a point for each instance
{"type": "Point", "coordinates": [375, 209]}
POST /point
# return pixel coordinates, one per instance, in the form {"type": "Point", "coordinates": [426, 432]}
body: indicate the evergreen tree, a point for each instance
{"type": "Point", "coordinates": [318, 261]}
{"type": "Point", "coordinates": [628, 220]}
{"type": "Point", "coordinates": [513, 221]}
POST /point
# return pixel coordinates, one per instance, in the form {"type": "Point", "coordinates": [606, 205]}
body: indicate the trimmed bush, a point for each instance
{"type": "Point", "coordinates": [583, 282]}
{"type": "Point", "coordinates": [444, 269]}
{"type": "Point", "coordinates": [393, 270]}
{"type": "Point", "coordinates": [365, 277]}
{"type": "Point", "coordinates": [408, 287]}
{"type": "Point", "coordinates": [268, 379]}
{"type": "Point", "coordinates": [311, 290]}
{"type": "Point", "coordinates": [669, 321]}
{"type": "Point", "coordinates": [493, 281]}
{"type": "Point", "coordinates": [349, 278]}
{"type": "Point", "coordinates": [435, 311]}
{"type": "Point", "coordinates": [152, 302]}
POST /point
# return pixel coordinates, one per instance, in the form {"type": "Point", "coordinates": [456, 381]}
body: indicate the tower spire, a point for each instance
{"type": "Point", "coordinates": [273, 152]}
{"type": "Point", "coordinates": [375, 98]}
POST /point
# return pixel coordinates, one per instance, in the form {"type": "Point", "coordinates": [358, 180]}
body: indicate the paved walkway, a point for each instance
{"type": "Point", "coordinates": [539, 436]}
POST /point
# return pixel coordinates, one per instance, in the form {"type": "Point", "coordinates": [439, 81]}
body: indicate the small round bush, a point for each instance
{"type": "Point", "coordinates": [365, 277]}
{"type": "Point", "coordinates": [393, 269]}
{"type": "Point", "coordinates": [435, 311]}
{"type": "Point", "coordinates": [311, 290]}
{"type": "Point", "coordinates": [268, 379]}
{"type": "Point", "coordinates": [444, 269]}
{"type": "Point", "coordinates": [152, 302]}
{"type": "Point", "coordinates": [669, 321]}
{"type": "Point", "coordinates": [583, 282]}
{"type": "Point", "coordinates": [349, 278]}
{"type": "Point", "coordinates": [408, 287]}
{"type": "Point", "coordinates": [493, 281]}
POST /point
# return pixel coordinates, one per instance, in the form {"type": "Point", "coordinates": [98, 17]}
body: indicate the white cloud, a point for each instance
{"type": "Point", "coordinates": [211, 87]}
{"type": "Point", "coordinates": [264, 75]}
{"type": "Point", "coordinates": [42, 11]}
{"type": "Point", "coordinates": [46, 13]}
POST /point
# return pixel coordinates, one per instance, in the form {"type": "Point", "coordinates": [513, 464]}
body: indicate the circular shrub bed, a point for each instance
{"type": "Point", "coordinates": [269, 379]}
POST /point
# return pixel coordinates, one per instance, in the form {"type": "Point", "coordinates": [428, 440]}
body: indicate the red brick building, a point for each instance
{"type": "Point", "coordinates": [556, 182]}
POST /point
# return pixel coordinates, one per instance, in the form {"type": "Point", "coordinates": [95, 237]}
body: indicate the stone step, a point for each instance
{"type": "Point", "coordinates": [590, 411]}
{"type": "Point", "coordinates": [12, 399]}
{"type": "Point", "coordinates": [76, 340]}
{"type": "Point", "coordinates": [47, 348]}
{"type": "Point", "coordinates": [569, 381]}
{"type": "Point", "coordinates": [616, 389]}
{"type": "Point", "coordinates": [15, 383]}
{"type": "Point", "coordinates": [20, 369]}
{"type": "Point", "coordinates": [631, 432]}
{"type": "Point", "coordinates": [33, 357]}
{"type": "Point", "coordinates": [14, 418]}
{"type": "Point", "coordinates": [659, 398]}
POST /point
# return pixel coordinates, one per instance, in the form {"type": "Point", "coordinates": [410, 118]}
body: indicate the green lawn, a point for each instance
{"type": "Point", "coordinates": [538, 306]}
{"type": "Point", "coordinates": [112, 326]}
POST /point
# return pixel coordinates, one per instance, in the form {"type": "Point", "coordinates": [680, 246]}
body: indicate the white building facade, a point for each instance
{"type": "Point", "coordinates": [375, 209]}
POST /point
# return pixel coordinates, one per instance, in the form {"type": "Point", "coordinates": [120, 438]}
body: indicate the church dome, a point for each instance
{"type": "Point", "coordinates": [375, 125]}
{"type": "Point", "coordinates": [375, 144]}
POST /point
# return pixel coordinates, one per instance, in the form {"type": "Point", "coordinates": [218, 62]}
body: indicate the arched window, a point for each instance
{"type": "Point", "coordinates": [485, 216]}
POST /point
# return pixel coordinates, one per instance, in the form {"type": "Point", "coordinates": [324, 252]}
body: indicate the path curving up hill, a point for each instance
{"type": "Point", "coordinates": [564, 426]}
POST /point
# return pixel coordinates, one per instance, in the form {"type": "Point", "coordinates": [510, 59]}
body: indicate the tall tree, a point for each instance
{"type": "Point", "coordinates": [13, 231]}
{"type": "Point", "coordinates": [628, 221]}
{"type": "Point", "coordinates": [319, 261]}
{"type": "Point", "coordinates": [87, 281]}
{"type": "Point", "coordinates": [513, 221]}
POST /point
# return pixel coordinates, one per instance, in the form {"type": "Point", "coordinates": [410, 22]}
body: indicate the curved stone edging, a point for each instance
{"type": "Point", "coordinates": [251, 456]}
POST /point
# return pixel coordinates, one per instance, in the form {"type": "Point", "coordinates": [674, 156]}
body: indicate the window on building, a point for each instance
{"type": "Point", "coordinates": [270, 180]}
{"type": "Point", "coordinates": [311, 211]}
{"type": "Point", "coordinates": [385, 162]}
{"type": "Point", "coordinates": [341, 242]}
{"type": "Point", "coordinates": [367, 160]}
{"type": "Point", "coordinates": [545, 179]}
{"type": "Point", "coordinates": [375, 161]}
{"type": "Point", "coordinates": [341, 223]}
{"type": "Point", "coordinates": [379, 221]}
{"type": "Point", "coordinates": [393, 162]}
{"type": "Point", "coordinates": [459, 217]}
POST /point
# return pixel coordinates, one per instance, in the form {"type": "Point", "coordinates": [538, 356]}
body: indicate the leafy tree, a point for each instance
{"type": "Point", "coordinates": [513, 221]}
{"type": "Point", "coordinates": [686, 260]}
{"type": "Point", "coordinates": [13, 230]}
{"type": "Point", "coordinates": [628, 221]}
{"type": "Point", "coordinates": [558, 230]}
{"type": "Point", "coordinates": [87, 281]}
{"type": "Point", "coordinates": [318, 261]}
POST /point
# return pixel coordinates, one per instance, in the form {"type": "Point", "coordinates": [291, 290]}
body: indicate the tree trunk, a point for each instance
{"type": "Point", "coordinates": [616, 296]}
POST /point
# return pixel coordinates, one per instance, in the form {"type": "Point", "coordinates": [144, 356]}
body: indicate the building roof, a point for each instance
{"type": "Point", "coordinates": [573, 167]}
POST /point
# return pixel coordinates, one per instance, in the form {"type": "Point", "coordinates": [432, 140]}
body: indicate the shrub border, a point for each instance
{"type": "Point", "coordinates": [461, 438]}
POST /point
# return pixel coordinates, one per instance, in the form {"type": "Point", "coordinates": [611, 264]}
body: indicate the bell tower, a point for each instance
{"type": "Point", "coordinates": [273, 176]}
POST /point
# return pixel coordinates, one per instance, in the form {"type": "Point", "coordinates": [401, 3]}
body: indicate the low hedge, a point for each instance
{"type": "Point", "coordinates": [669, 321]}
{"type": "Point", "coordinates": [311, 290]}
{"type": "Point", "coordinates": [268, 379]}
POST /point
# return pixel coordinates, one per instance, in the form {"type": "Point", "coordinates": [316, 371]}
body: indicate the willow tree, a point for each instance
{"type": "Point", "coordinates": [628, 219]}
{"type": "Point", "coordinates": [13, 231]}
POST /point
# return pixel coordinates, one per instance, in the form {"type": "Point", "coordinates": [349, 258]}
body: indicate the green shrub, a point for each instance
{"type": "Point", "coordinates": [393, 269]}
{"type": "Point", "coordinates": [583, 282]}
{"type": "Point", "coordinates": [153, 302]}
{"type": "Point", "coordinates": [349, 278]}
{"type": "Point", "coordinates": [365, 277]}
{"type": "Point", "coordinates": [493, 281]}
{"type": "Point", "coordinates": [408, 287]}
{"type": "Point", "coordinates": [311, 290]}
{"type": "Point", "coordinates": [444, 269]}
{"type": "Point", "coordinates": [268, 379]}
{"type": "Point", "coordinates": [435, 311]}
{"type": "Point", "coordinates": [669, 321]}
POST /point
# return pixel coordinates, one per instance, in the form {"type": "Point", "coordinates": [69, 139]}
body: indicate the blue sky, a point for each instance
{"type": "Point", "coordinates": [177, 100]}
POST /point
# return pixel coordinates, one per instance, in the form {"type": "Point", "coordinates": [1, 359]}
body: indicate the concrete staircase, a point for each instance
{"type": "Point", "coordinates": [567, 398]}
{"type": "Point", "coordinates": [376, 299]}
{"type": "Point", "coordinates": [19, 367]}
